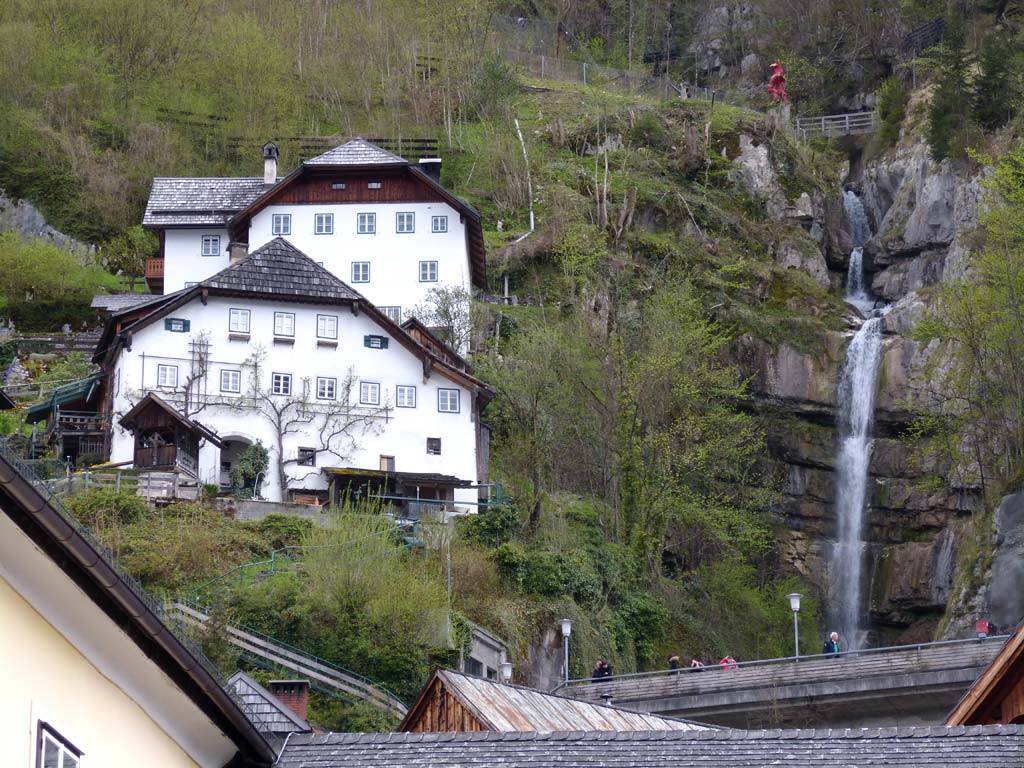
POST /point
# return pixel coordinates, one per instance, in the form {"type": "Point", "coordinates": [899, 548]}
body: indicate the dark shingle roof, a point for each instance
{"type": "Point", "coordinates": [118, 302]}
{"type": "Point", "coordinates": [971, 747]}
{"type": "Point", "coordinates": [357, 152]}
{"type": "Point", "coordinates": [199, 201]}
{"type": "Point", "coordinates": [280, 269]}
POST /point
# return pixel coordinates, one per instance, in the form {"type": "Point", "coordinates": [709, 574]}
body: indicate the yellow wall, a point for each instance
{"type": "Point", "coordinates": [43, 675]}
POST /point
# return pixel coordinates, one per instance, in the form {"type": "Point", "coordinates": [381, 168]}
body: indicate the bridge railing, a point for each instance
{"type": "Point", "coordinates": [849, 124]}
{"type": "Point", "coordinates": [760, 663]}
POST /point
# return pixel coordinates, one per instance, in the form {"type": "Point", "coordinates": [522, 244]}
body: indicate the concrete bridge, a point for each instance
{"type": "Point", "coordinates": [905, 685]}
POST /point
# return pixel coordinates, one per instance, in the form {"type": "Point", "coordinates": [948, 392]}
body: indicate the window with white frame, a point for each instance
{"type": "Point", "coordinates": [323, 224]}
{"type": "Point", "coordinates": [327, 326]}
{"type": "Point", "coordinates": [405, 396]}
{"type": "Point", "coordinates": [373, 185]}
{"type": "Point", "coordinates": [326, 388]}
{"type": "Point", "coordinates": [448, 400]}
{"type": "Point", "coordinates": [281, 383]}
{"type": "Point", "coordinates": [284, 323]}
{"type": "Point", "coordinates": [394, 313]}
{"type": "Point", "coordinates": [405, 222]}
{"type": "Point", "coordinates": [167, 376]}
{"type": "Point", "coordinates": [369, 393]}
{"type": "Point", "coordinates": [428, 271]}
{"type": "Point", "coordinates": [360, 271]}
{"type": "Point", "coordinates": [281, 224]}
{"type": "Point", "coordinates": [438, 224]}
{"type": "Point", "coordinates": [238, 320]}
{"type": "Point", "coordinates": [211, 245]}
{"type": "Point", "coordinates": [190, 285]}
{"type": "Point", "coordinates": [54, 751]}
{"type": "Point", "coordinates": [366, 223]}
{"type": "Point", "coordinates": [231, 380]}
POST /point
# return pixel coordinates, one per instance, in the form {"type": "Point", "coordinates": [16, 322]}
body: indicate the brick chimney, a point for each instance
{"type": "Point", "coordinates": [294, 694]}
{"type": "Point", "coordinates": [237, 252]}
{"type": "Point", "coordinates": [431, 166]}
{"type": "Point", "coordinates": [270, 163]}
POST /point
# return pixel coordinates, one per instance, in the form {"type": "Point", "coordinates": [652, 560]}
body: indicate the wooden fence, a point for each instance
{"type": "Point", "coordinates": [850, 124]}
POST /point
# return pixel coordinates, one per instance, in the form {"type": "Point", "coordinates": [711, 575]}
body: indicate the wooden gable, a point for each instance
{"type": "Point", "coordinates": [438, 710]}
{"type": "Point", "coordinates": [997, 696]}
{"type": "Point", "coordinates": [397, 185]}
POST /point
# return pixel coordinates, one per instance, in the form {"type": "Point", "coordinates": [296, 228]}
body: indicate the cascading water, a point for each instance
{"type": "Point", "coordinates": [856, 399]}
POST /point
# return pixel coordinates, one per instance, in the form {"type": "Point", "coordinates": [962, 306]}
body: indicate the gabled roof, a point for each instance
{"type": "Point", "coordinates": [118, 302]}
{"type": "Point", "coordinates": [196, 201]}
{"type": "Point", "coordinates": [81, 390]}
{"type": "Point", "coordinates": [264, 708]}
{"type": "Point", "coordinates": [1004, 672]}
{"type": "Point", "coordinates": [279, 269]}
{"type": "Point", "coordinates": [972, 747]}
{"type": "Point", "coordinates": [501, 707]}
{"type": "Point", "coordinates": [358, 151]}
{"type": "Point", "coordinates": [90, 567]}
{"type": "Point", "coordinates": [151, 400]}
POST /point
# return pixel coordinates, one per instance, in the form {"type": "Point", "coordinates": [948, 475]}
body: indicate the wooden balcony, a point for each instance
{"type": "Point", "coordinates": [155, 275]}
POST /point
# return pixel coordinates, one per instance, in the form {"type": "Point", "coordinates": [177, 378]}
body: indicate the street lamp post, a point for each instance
{"type": "Point", "coordinates": [566, 631]}
{"type": "Point", "coordinates": [794, 604]}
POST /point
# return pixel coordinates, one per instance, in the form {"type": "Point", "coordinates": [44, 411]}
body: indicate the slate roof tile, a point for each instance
{"type": "Point", "coordinates": [965, 748]}
{"type": "Point", "coordinates": [358, 151]}
{"type": "Point", "coordinates": [209, 201]}
{"type": "Point", "coordinates": [280, 269]}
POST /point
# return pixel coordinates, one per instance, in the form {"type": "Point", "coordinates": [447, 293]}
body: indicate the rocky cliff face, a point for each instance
{"type": "Point", "coordinates": [922, 212]}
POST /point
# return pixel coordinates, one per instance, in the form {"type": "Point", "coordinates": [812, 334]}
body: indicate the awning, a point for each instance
{"type": "Point", "coordinates": [76, 391]}
{"type": "Point", "coordinates": [405, 478]}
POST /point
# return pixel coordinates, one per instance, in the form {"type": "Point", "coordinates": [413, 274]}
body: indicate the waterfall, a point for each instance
{"type": "Point", "coordinates": [856, 289]}
{"type": "Point", "coordinates": [856, 400]}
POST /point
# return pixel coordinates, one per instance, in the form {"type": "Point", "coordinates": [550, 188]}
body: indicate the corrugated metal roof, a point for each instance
{"type": "Point", "coordinates": [66, 393]}
{"type": "Point", "coordinates": [357, 152]}
{"type": "Point", "coordinates": [514, 708]}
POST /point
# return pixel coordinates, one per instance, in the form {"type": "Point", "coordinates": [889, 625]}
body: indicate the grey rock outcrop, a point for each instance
{"type": "Point", "coordinates": [25, 219]}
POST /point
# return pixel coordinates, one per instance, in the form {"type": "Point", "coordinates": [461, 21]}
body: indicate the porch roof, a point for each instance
{"type": "Point", "coordinates": [129, 420]}
{"type": "Point", "coordinates": [67, 393]}
{"type": "Point", "coordinates": [422, 478]}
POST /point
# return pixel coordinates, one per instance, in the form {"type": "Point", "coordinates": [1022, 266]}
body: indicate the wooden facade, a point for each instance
{"type": "Point", "coordinates": [164, 439]}
{"type": "Point", "coordinates": [396, 186]}
{"type": "Point", "coordinates": [438, 710]}
{"type": "Point", "coordinates": [997, 696]}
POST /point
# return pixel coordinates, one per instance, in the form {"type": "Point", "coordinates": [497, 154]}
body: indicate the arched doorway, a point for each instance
{"type": "Point", "coordinates": [231, 449]}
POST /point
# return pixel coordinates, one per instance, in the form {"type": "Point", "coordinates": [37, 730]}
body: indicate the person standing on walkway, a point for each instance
{"type": "Point", "coordinates": [673, 662]}
{"type": "Point", "coordinates": [831, 646]}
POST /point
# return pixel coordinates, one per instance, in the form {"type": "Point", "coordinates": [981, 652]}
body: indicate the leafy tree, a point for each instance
{"type": "Point", "coordinates": [126, 254]}
{"type": "Point", "coordinates": [250, 465]}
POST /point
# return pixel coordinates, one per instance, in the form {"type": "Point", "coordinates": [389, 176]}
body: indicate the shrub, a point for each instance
{"type": "Point", "coordinates": [491, 527]}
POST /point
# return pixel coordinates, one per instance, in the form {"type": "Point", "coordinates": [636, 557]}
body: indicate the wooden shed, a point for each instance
{"type": "Point", "coordinates": [165, 439]}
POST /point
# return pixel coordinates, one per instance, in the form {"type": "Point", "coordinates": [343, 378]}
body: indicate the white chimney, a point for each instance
{"type": "Point", "coordinates": [270, 163]}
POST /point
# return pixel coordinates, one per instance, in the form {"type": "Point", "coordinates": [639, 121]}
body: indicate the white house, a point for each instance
{"type": "Point", "coordinates": [373, 219]}
{"type": "Point", "coordinates": [275, 349]}
{"type": "Point", "coordinates": [94, 676]}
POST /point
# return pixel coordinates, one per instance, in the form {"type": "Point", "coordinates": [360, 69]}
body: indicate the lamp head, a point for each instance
{"type": "Point", "coordinates": [506, 671]}
{"type": "Point", "coordinates": [794, 601]}
{"type": "Point", "coordinates": [566, 627]}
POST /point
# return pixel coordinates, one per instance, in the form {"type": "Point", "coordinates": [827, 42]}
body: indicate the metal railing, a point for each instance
{"type": "Point", "coordinates": [850, 124]}
{"type": "Point", "coordinates": [867, 652]}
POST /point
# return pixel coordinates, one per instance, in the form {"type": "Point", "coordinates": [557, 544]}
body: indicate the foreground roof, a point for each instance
{"type": "Point", "coordinates": [358, 151]}
{"type": "Point", "coordinates": [280, 269]}
{"type": "Point", "coordinates": [983, 701]}
{"type": "Point", "coordinates": [502, 707]}
{"type": "Point", "coordinates": [970, 747]}
{"type": "Point", "coordinates": [264, 708]}
{"type": "Point", "coordinates": [192, 201]}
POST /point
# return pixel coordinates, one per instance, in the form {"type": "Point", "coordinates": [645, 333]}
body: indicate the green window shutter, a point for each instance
{"type": "Point", "coordinates": [177, 325]}
{"type": "Point", "coordinates": [375, 342]}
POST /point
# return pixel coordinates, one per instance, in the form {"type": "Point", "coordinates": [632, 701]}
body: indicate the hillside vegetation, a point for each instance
{"type": "Point", "coordinates": [624, 431]}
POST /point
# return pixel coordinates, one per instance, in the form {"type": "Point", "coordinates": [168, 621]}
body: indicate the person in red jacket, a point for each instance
{"type": "Point", "coordinates": [728, 662]}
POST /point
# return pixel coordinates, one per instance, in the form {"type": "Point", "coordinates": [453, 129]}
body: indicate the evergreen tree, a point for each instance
{"type": "Point", "coordinates": [951, 99]}
{"type": "Point", "coordinates": [995, 92]}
